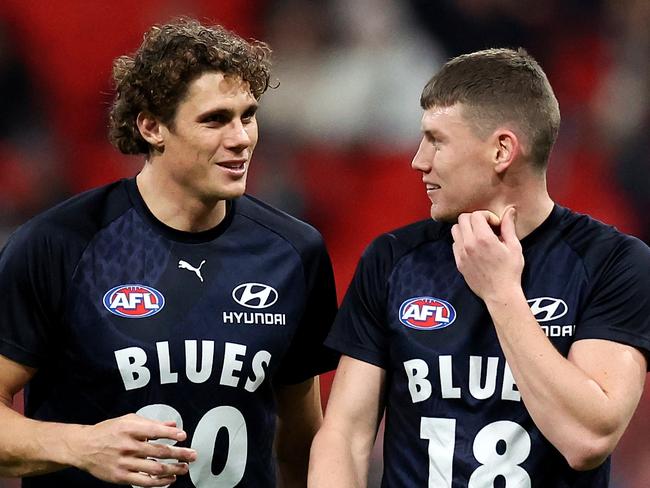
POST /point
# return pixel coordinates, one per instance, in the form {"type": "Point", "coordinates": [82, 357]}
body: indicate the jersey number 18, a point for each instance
{"type": "Point", "coordinates": [510, 436]}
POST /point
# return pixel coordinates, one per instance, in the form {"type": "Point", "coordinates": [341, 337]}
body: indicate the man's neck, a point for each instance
{"type": "Point", "coordinates": [533, 208]}
{"type": "Point", "coordinates": [174, 207]}
{"type": "Point", "coordinates": [530, 219]}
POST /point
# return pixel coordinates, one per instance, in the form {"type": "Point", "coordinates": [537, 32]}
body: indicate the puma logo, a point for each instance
{"type": "Point", "coordinates": [185, 265]}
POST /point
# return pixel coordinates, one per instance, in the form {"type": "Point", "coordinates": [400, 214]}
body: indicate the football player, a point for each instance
{"type": "Point", "coordinates": [163, 323]}
{"type": "Point", "coordinates": [505, 339]}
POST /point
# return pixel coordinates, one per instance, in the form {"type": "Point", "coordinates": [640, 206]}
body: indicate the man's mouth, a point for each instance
{"type": "Point", "coordinates": [235, 164]}
{"type": "Point", "coordinates": [236, 168]}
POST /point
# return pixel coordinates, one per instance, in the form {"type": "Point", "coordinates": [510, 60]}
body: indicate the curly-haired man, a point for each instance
{"type": "Point", "coordinates": [164, 323]}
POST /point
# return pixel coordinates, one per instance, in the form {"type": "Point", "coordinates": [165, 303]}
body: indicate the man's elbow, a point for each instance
{"type": "Point", "coordinates": [589, 452]}
{"type": "Point", "coordinates": [320, 444]}
{"type": "Point", "coordinates": [330, 448]}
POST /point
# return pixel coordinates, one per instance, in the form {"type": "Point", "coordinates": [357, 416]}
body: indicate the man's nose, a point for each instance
{"type": "Point", "coordinates": [422, 159]}
{"type": "Point", "coordinates": [237, 136]}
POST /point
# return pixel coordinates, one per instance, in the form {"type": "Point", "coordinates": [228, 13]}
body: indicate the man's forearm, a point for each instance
{"type": "Point", "coordinates": [29, 447]}
{"type": "Point", "coordinates": [334, 462]}
{"type": "Point", "coordinates": [571, 409]}
{"type": "Point", "coordinates": [116, 450]}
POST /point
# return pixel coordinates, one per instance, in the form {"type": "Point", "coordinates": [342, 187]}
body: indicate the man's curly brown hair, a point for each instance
{"type": "Point", "coordinates": [156, 78]}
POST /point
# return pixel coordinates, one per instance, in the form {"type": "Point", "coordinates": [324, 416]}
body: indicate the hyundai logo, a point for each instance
{"type": "Point", "coordinates": [255, 295]}
{"type": "Point", "coordinates": [546, 308]}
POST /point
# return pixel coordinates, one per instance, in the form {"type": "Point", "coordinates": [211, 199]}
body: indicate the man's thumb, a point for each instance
{"type": "Point", "coordinates": [508, 225]}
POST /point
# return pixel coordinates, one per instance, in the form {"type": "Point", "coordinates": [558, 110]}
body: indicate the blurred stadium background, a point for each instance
{"type": "Point", "coordinates": [338, 134]}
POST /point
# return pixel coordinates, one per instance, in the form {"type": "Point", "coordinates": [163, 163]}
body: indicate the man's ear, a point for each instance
{"type": "Point", "coordinates": [151, 130]}
{"type": "Point", "coordinates": [506, 149]}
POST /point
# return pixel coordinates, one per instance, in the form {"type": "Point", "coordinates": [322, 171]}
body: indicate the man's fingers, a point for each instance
{"type": "Point", "coordinates": [469, 221]}
{"type": "Point", "coordinates": [465, 226]}
{"type": "Point", "coordinates": [149, 472]}
{"type": "Point", "coordinates": [483, 227]}
{"type": "Point", "coordinates": [145, 480]}
{"type": "Point", "coordinates": [154, 430]}
{"type": "Point", "coordinates": [456, 248]}
{"type": "Point", "coordinates": [163, 451]}
{"type": "Point", "coordinates": [455, 233]}
{"type": "Point", "coordinates": [155, 468]}
{"type": "Point", "coordinates": [507, 210]}
{"type": "Point", "coordinates": [490, 217]}
{"type": "Point", "coordinates": [508, 226]}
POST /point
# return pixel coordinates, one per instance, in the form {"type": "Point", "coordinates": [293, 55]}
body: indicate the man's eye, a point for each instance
{"type": "Point", "coordinates": [217, 119]}
{"type": "Point", "coordinates": [248, 117]}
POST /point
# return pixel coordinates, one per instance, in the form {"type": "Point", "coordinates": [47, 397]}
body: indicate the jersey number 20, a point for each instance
{"type": "Point", "coordinates": [223, 417]}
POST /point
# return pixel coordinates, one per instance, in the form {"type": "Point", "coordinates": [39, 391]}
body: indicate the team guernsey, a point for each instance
{"type": "Point", "coordinates": [454, 416]}
{"type": "Point", "coordinates": [122, 314]}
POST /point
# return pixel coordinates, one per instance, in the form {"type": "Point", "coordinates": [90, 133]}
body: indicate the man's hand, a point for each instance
{"type": "Point", "coordinates": [491, 262]}
{"type": "Point", "coordinates": [118, 451]}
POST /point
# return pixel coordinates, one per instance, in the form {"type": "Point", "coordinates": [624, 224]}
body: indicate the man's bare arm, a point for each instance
{"type": "Point", "coordinates": [341, 450]}
{"type": "Point", "coordinates": [115, 450]}
{"type": "Point", "coordinates": [582, 403]}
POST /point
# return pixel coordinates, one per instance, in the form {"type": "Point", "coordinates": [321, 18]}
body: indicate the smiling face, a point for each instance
{"type": "Point", "coordinates": [456, 165]}
{"type": "Point", "coordinates": [209, 144]}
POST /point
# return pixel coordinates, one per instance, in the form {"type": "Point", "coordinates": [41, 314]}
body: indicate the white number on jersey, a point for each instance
{"type": "Point", "coordinates": [441, 434]}
{"type": "Point", "coordinates": [223, 417]}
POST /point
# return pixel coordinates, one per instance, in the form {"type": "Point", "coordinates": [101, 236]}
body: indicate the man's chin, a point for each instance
{"type": "Point", "coordinates": [234, 194]}
{"type": "Point", "coordinates": [443, 217]}
{"type": "Point", "coordinates": [233, 191]}
{"type": "Point", "coordinates": [210, 197]}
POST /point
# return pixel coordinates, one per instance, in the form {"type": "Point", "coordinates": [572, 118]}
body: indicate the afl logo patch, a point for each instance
{"type": "Point", "coordinates": [134, 301]}
{"type": "Point", "coordinates": [426, 313]}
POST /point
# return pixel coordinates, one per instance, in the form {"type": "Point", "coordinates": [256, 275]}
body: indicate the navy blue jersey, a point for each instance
{"type": "Point", "coordinates": [122, 314]}
{"type": "Point", "coordinates": [454, 416]}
